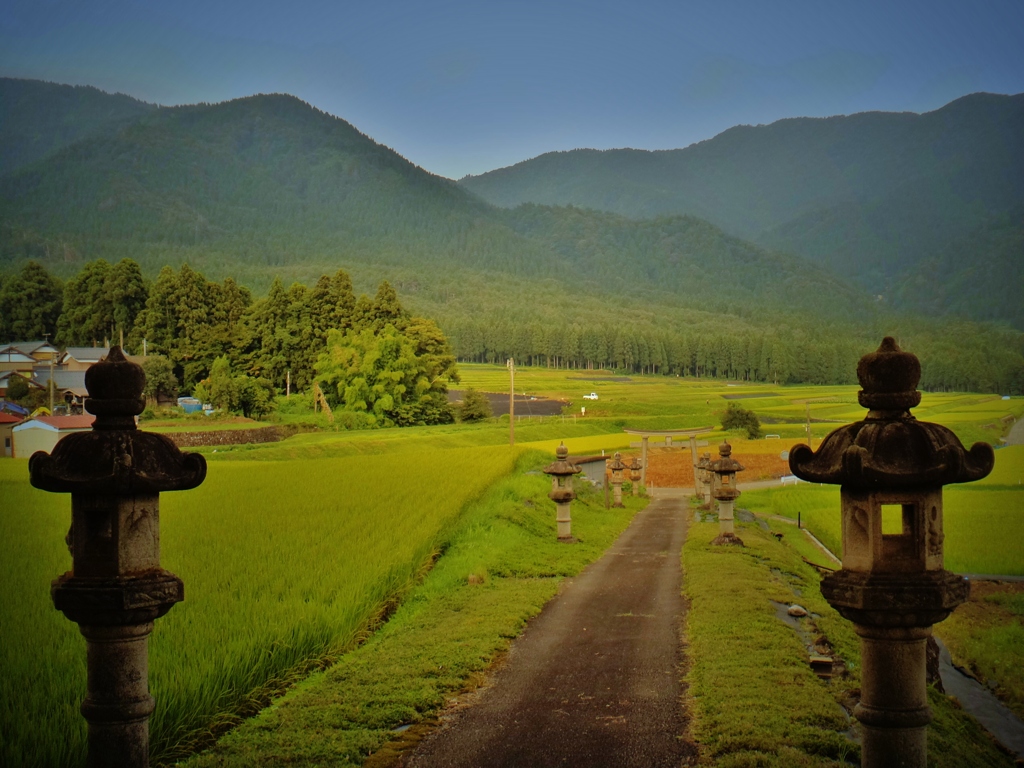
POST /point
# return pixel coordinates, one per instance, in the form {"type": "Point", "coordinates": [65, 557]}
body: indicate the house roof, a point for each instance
{"type": "Point", "coordinates": [30, 347]}
{"type": "Point", "coordinates": [86, 354]}
{"type": "Point", "coordinates": [73, 381]}
{"type": "Point", "coordinates": [11, 354]}
{"type": "Point", "coordinates": [58, 423]}
{"type": "Point", "coordinates": [5, 378]}
{"type": "Point", "coordinates": [9, 418]}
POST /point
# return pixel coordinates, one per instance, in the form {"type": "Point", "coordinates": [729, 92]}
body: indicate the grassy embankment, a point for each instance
{"type": "Point", "coordinates": [499, 569]}
{"type": "Point", "coordinates": [755, 700]}
{"type": "Point", "coordinates": [984, 527]}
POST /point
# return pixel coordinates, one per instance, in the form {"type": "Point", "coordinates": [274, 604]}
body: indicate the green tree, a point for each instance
{"type": "Point", "coordinates": [738, 417]}
{"type": "Point", "coordinates": [220, 387]}
{"type": "Point", "coordinates": [382, 376]}
{"type": "Point", "coordinates": [30, 304]}
{"type": "Point", "coordinates": [254, 396]}
{"type": "Point", "coordinates": [88, 312]}
{"type": "Point", "coordinates": [160, 378]}
{"type": "Point", "coordinates": [475, 406]}
{"type": "Point", "coordinates": [127, 291]}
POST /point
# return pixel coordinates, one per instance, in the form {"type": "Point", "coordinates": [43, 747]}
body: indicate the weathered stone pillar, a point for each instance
{"type": "Point", "coordinates": [724, 470]}
{"type": "Point", "coordinates": [616, 466]}
{"type": "Point", "coordinates": [634, 475]}
{"type": "Point", "coordinates": [704, 478]}
{"type": "Point", "coordinates": [116, 587]}
{"type": "Point", "coordinates": [892, 586]}
{"type": "Point", "coordinates": [562, 494]}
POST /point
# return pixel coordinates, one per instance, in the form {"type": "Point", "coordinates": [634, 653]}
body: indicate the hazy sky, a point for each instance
{"type": "Point", "coordinates": [465, 86]}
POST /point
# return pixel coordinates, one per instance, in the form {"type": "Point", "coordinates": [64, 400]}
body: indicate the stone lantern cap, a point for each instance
{"type": "Point", "coordinates": [634, 465]}
{"type": "Point", "coordinates": [561, 467]}
{"type": "Point", "coordinates": [725, 467]}
{"type": "Point", "coordinates": [890, 449]}
{"type": "Point", "coordinates": [726, 464]}
{"type": "Point", "coordinates": [616, 464]}
{"type": "Point", "coordinates": [115, 457]}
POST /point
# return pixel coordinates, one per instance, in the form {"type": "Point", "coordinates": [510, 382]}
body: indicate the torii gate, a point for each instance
{"type": "Point", "coordinates": [668, 434]}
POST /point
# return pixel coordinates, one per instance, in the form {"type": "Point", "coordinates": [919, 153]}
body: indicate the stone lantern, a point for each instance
{"type": "Point", "coordinates": [634, 475]}
{"type": "Point", "coordinates": [116, 587]}
{"type": "Point", "coordinates": [562, 494]}
{"type": "Point", "coordinates": [892, 585]}
{"type": "Point", "coordinates": [724, 470]}
{"type": "Point", "coordinates": [703, 479]}
{"type": "Point", "coordinates": [616, 466]}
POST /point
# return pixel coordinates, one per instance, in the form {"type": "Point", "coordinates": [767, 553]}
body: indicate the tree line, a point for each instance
{"type": "Point", "coordinates": [281, 337]}
{"type": "Point", "coordinates": [369, 354]}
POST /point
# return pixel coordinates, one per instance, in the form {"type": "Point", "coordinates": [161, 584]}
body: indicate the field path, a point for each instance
{"type": "Point", "coordinates": [595, 677]}
{"type": "Point", "coordinates": [1016, 436]}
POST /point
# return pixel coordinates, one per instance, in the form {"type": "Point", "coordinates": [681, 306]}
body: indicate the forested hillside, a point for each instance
{"type": "Point", "coordinates": [261, 192]}
{"type": "Point", "coordinates": [874, 197]}
{"type": "Point", "coordinates": [37, 119]}
{"type": "Point", "coordinates": [269, 181]}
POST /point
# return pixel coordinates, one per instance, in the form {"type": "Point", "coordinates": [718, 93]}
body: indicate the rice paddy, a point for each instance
{"type": "Point", "coordinates": [285, 564]}
{"type": "Point", "coordinates": [290, 551]}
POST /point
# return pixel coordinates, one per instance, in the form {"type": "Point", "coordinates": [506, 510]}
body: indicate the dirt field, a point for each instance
{"type": "Point", "coordinates": [673, 467]}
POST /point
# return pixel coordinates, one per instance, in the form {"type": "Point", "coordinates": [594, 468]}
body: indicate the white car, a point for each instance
{"type": "Point", "coordinates": [591, 396]}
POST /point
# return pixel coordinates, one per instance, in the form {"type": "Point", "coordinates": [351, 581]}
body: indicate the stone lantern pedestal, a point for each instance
{"type": "Point", "coordinates": [634, 475]}
{"type": "Point", "coordinates": [724, 490]}
{"type": "Point", "coordinates": [562, 493]}
{"type": "Point", "coordinates": [892, 586]}
{"type": "Point", "coordinates": [116, 587]}
{"type": "Point", "coordinates": [617, 466]}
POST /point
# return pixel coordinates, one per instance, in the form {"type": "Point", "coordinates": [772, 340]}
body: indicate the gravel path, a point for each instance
{"type": "Point", "coordinates": [594, 680]}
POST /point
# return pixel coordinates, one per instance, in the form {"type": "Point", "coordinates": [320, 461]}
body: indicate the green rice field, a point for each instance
{"type": "Point", "coordinates": [292, 551]}
{"type": "Point", "coordinates": [284, 564]}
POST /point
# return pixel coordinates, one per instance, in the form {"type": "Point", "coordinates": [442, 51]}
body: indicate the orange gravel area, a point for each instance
{"type": "Point", "coordinates": [673, 467]}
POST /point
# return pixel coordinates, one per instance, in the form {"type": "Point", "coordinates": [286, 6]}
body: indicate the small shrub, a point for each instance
{"type": "Point", "coordinates": [738, 417]}
{"type": "Point", "coordinates": [475, 406]}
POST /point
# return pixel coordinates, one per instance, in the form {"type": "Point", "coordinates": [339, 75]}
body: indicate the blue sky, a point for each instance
{"type": "Point", "coordinates": [461, 87]}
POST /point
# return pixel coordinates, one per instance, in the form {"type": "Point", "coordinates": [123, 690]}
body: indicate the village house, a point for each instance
{"type": "Point", "coordinates": [7, 423]}
{"type": "Point", "coordinates": [82, 358]}
{"type": "Point", "coordinates": [69, 386]}
{"type": "Point", "coordinates": [13, 359]}
{"type": "Point", "coordinates": [42, 433]}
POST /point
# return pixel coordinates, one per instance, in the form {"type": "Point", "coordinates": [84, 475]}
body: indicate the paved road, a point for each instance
{"type": "Point", "coordinates": [594, 680]}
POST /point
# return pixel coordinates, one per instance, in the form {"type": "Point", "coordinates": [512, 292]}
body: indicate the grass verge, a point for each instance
{"type": "Point", "coordinates": [755, 700]}
{"type": "Point", "coordinates": [986, 636]}
{"type": "Point", "coordinates": [501, 566]}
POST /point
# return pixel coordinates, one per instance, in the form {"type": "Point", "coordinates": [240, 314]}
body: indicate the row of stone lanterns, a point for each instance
{"type": "Point", "coordinates": [892, 585]}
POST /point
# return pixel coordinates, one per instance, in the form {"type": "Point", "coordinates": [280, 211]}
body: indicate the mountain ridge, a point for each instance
{"type": "Point", "coordinates": [270, 177]}
{"type": "Point", "coordinates": [869, 196]}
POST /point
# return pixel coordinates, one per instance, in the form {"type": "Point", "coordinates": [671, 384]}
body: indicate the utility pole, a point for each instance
{"type": "Point", "coordinates": [807, 407]}
{"type": "Point", "coordinates": [511, 365]}
{"type": "Point", "coordinates": [288, 386]}
{"type": "Point", "coordinates": [50, 385]}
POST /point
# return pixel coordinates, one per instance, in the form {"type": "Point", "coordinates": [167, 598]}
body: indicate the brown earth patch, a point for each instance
{"type": "Point", "coordinates": [673, 467]}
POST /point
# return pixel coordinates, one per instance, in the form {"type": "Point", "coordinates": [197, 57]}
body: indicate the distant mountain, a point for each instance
{"type": "Point", "coordinates": [875, 197]}
{"type": "Point", "coordinates": [37, 118]}
{"type": "Point", "coordinates": [271, 182]}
